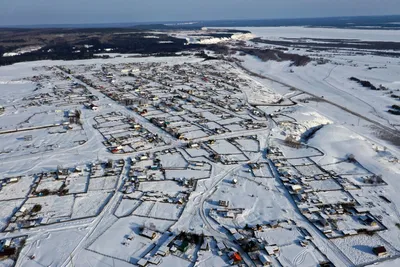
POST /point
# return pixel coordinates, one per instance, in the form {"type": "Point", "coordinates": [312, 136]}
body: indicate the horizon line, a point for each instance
{"type": "Point", "coordinates": [194, 21]}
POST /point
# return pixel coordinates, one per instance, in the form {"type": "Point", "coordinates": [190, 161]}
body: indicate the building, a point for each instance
{"type": "Point", "coordinates": [367, 220]}
{"type": "Point", "coordinates": [155, 260]}
{"type": "Point", "coordinates": [223, 203]}
{"type": "Point", "coordinates": [264, 260]}
{"type": "Point", "coordinates": [272, 249]}
{"type": "Point", "coordinates": [7, 244]}
{"type": "Point", "coordinates": [142, 262]}
{"type": "Point", "coordinates": [184, 246]}
{"type": "Point", "coordinates": [163, 251]}
{"type": "Point", "coordinates": [206, 245]}
{"type": "Point", "coordinates": [349, 232]}
{"type": "Point", "coordinates": [229, 214]}
{"type": "Point", "coordinates": [236, 257]}
{"type": "Point", "coordinates": [193, 145]}
{"type": "Point", "coordinates": [148, 233]}
{"type": "Point", "coordinates": [238, 236]}
{"type": "Point", "coordinates": [380, 251]}
{"type": "Point", "coordinates": [14, 180]}
{"type": "Point", "coordinates": [295, 187]}
{"type": "Point", "coordinates": [143, 157]}
{"type": "Point", "coordinates": [221, 246]}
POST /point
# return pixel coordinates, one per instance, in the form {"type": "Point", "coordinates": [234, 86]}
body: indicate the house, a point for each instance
{"type": "Point", "coordinates": [360, 209]}
{"type": "Point", "coordinates": [144, 157]}
{"type": "Point", "coordinates": [155, 260]}
{"type": "Point", "coordinates": [236, 257]}
{"type": "Point", "coordinates": [205, 245]}
{"type": "Point", "coordinates": [115, 150]}
{"type": "Point", "coordinates": [238, 236]}
{"type": "Point", "coordinates": [184, 246]}
{"type": "Point", "coordinates": [221, 246]}
{"type": "Point", "coordinates": [264, 260]}
{"type": "Point", "coordinates": [229, 214]}
{"type": "Point", "coordinates": [272, 249]}
{"type": "Point", "coordinates": [349, 232]}
{"type": "Point", "coordinates": [313, 209]}
{"type": "Point", "coordinates": [380, 251]}
{"type": "Point", "coordinates": [148, 233]}
{"type": "Point", "coordinates": [23, 209]}
{"type": "Point", "coordinates": [193, 145]}
{"type": "Point", "coordinates": [223, 203]}
{"type": "Point", "coordinates": [323, 221]}
{"type": "Point", "coordinates": [295, 187]}
{"type": "Point", "coordinates": [163, 251]}
{"type": "Point", "coordinates": [232, 230]}
{"type": "Point", "coordinates": [142, 262]}
{"type": "Point", "coordinates": [367, 220]}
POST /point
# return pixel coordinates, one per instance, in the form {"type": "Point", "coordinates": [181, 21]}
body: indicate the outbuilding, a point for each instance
{"type": "Point", "coordinates": [380, 251]}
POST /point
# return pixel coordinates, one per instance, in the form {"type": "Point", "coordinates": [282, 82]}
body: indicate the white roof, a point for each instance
{"type": "Point", "coordinates": [142, 262]}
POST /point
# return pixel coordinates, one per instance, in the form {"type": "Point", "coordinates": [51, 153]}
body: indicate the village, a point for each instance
{"type": "Point", "coordinates": [170, 163]}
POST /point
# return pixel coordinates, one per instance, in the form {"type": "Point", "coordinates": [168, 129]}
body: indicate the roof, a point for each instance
{"type": "Point", "coordinates": [142, 262]}
{"type": "Point", "coordinates": [380, 249]}
{"type": "Point", "coordinates": [236, 256]}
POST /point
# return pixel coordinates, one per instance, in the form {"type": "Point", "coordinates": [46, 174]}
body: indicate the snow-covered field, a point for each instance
{"type": "Point", "coordinates": [328, 33]}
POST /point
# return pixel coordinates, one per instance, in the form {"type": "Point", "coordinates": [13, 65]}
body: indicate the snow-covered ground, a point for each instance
{"type": "Point", "coordinates": [328, 33]}
{"type": "Point", "coordinates": [97, 214]}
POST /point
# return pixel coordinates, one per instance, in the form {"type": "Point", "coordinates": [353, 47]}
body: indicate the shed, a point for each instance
{"type": "Point", "coordinates": [380, 251]}
{"type": "Point", "coordinates": [14, 180]}
{"type": "Point", "coordinates": [7, 243]}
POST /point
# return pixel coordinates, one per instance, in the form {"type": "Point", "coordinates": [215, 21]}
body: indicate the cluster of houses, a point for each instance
{"type": "Point", "coordinates": [63, 92]}
{"type": "Point", "coordinates": [45, 187]}
{"type": "Point", "coordinates": [181, 115]}
{"type": "Point", "coordinates": [323, 199]}
{"type": "Point", "coordinates": [187, 107]}
{"type": "Point", "coordinates": [124, 135]}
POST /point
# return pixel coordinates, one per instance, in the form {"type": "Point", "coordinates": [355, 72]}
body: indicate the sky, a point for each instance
{"type": "Point", "coordinates": [31, 12]}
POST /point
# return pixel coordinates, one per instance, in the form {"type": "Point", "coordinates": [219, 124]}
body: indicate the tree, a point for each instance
{"type": "Point", "coordinates": [36, 208]}
{"type": "Point", "coordinates": [351, 158]}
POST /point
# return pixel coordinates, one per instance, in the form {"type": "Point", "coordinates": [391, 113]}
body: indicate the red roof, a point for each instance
{"type": "Point", "coordinates": [236, 256]}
